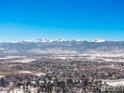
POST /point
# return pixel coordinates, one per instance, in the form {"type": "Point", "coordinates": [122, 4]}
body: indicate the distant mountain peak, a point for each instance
{"type": "Point", "coordinates": [97, 40]}
{"type": "Point", "coordinates": [49, 40]}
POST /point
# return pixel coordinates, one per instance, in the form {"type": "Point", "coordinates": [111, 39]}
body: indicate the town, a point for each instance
{"type": "Point", "coordinates": [55, 75]}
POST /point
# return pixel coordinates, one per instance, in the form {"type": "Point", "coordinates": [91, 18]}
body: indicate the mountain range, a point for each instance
{"type": "Point", "coordinates": [61, 47]}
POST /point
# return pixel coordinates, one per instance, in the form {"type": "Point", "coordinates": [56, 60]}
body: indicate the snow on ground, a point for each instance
{"type": "Point", "coordinates": [12, 57]}
{"type": "Point", "coordinates": [25, 72]}
{"type": "Point", "coordinates": [1, 76]}
{"type": "Point", "coordinates": [114, 83]}
{"type": "Point", "coordinates": [25, 60]}
{"type": "Point", "coordinates": [40, 74]}
{"type": "Point", "coordinates": [104, 56]}
{"type": "Point", "coordinates": [17, 90]}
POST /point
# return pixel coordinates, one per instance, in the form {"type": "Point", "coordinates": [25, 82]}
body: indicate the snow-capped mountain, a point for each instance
{"type": "Point", "coordinates": [43, 46]}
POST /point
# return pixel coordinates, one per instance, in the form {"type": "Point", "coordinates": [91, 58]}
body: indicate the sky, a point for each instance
{"type": "Point", "coordinates": [65, 19]}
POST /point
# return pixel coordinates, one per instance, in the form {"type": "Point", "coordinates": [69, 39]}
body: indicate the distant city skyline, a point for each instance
{"type": "Point", "coordinates": [61, 19]}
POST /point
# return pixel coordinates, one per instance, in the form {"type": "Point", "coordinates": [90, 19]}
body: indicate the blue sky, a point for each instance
{"type": "Point", "coordinates": [67, 19]}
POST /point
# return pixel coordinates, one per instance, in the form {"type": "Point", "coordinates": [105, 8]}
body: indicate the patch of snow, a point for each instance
{"type": "Point", "coordinates": [115, 83]}
{"type": "Point", "coordinates": [1, 76]}
{"type": "Point", "coordinates": [25, 72]}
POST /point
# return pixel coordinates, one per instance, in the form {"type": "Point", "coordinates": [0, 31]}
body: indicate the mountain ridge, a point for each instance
{"type": "Point", "coordinates": [61, 47]}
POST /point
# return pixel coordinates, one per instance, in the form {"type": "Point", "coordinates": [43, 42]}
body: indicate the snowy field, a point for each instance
{"type": "Point", "coordinates": [114, 83]}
